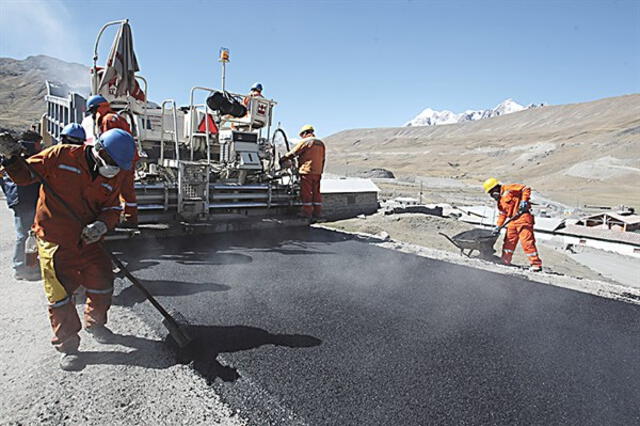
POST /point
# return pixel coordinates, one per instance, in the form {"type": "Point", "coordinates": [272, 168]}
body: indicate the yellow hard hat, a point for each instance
{"type": "Point", "coordinates": [306, 128]}
{"type": "Point", "coordinates": [489, 184]}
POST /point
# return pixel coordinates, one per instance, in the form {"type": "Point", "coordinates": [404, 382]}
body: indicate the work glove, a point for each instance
{"type": "Point", "coordinates": [285, 162]}
{"type": "Point", "coordinates": [9, 147]}
{"type": "Point", "coordinates": [93, 232]}
{"type": "Point", "coordinates": [495, 231]}
{"type": "Point", "coordinates": [524, 207]}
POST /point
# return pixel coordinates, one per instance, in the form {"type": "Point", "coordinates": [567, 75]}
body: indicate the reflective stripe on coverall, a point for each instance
{"type": "Point", "coordinates": [64, 262]}
{"type": "Point", "coordinates": [310, 195]}
{"type": "Point", "coordinates": [311, 157]}
{"type": "Point", "coordinates": [109, 121]}
{"type": "Point", "coordinates": [520, 228]}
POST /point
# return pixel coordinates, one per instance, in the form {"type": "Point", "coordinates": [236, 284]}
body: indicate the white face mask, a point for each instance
{"type": "Point", "coordinates": [105, 169]}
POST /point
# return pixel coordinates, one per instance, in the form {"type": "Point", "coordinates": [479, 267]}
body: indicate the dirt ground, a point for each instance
{"type": "Point", "coordinates": [423, 230]}
{"type": "Point", "coordinates": [134, 382]}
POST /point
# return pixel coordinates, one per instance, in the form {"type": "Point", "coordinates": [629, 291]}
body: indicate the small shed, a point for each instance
{"type": "Point", "coordinates": [612, 221]}
{"type": "Point", "coordinates": [348, 197]}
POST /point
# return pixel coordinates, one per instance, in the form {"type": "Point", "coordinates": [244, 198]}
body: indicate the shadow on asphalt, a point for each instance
{"type": "Point", "coordinates": [131, 296]}
{"type": "Point", "coordinates": [210, 341]}
{"type": "Point", "coordinates": [136, 262]}
{"type": "Point", "coordinates": [213, 249]}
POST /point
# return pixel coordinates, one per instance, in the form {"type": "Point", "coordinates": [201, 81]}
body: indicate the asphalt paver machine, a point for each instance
{"type": "Point", "coordinates": [197, 164]}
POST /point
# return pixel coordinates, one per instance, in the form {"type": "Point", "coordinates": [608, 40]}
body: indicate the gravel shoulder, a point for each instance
{"type": "Point", "coordinates": [423, 230]}
{"type": "Point", "coordinates": [135, 381]}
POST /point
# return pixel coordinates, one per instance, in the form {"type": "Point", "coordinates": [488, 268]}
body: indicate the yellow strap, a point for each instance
{"type": "Point", "coordinates": [53, 288]}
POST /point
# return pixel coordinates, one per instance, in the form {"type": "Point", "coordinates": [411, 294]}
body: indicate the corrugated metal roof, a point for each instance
{"type": "Point", "coordinates": [603, 234]}
{"type": "Point", "coordinates": [549, 224]}
{"type": "Point", "coordinates": [628, 219]}
{"type": "Point", "coordinates": [347, 185]}
{"type": "Point", "coordinates": [490, 214]}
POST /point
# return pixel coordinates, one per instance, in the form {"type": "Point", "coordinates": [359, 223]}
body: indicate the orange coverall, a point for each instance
{"type": "Point", "coordinates": [520, 228]}
{"type": "Point", "coordinates": [311, 156]}
{"type": "Point", "coordinates": [65, 262]}
{"type": "Point", "coordinates": [111, 120]}
{"type": "Point", "coordinates": [247, 99]}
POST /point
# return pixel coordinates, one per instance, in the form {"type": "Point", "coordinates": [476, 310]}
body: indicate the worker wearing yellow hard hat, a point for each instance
{"type": "Point", "coordinates": [514, 203]}
{"type": "Point", "coordinates": [489, 184]}
{"type": "Point", "coordinates": [306, 129]}
{"type": "Point", "coordinates": [310, 152]}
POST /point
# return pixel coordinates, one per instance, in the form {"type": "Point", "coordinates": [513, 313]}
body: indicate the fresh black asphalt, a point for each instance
{"type": "Point", "coordinates": [312, 327]}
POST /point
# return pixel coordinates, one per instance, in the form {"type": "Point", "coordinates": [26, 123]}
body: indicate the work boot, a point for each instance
{"type": "Point", "coordinates": [535, 268]}
{"type": "Point", "coordinates": [128, 225]}
{"type": "Point", "coordinates": [27, 274]}
{"type": "Point", "coordinates": [101, 334]}
{"type": "Point", "coordinates": [71, 361]}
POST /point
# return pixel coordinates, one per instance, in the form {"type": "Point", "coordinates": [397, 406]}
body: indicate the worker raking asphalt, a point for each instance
{"type": "Point", "coordinates": [313, 327]}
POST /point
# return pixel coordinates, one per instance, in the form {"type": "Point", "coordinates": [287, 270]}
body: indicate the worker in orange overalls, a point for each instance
{"type": "Point", "coordinates": [105, 119]}
{"type": "Point", "coordinates": [310, 152]}
{"type": "Point", "coordinates": [514, 202]}
{"type": "Point", "coordinates": [88, 179]}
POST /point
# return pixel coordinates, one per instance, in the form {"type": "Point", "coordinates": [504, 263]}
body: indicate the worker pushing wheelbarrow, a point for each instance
{"type": "Point", "coordinates": [513, 202]}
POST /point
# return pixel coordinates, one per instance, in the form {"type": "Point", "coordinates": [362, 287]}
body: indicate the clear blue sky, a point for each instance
{"type": "Point", "coordinates": [346, 64]}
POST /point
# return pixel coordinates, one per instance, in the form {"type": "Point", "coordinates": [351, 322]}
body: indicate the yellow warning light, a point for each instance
{"type": "Point", "coordinates": [224, 55]}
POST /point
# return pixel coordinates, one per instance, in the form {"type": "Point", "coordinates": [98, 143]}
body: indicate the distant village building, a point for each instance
{"type": "Point", "coordinates": [348, 197]}
{"type": "Point", "coordinates": [612, 221]}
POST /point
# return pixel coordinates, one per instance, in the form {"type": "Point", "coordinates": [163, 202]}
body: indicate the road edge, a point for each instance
{"type": "Point", "coordinates": [607, 290]}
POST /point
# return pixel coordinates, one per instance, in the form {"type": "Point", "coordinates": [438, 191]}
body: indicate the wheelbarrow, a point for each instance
{"type": "Point", "coordinates": [481, 240]}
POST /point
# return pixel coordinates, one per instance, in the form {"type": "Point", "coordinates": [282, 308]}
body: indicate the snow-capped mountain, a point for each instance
{"type": "Point", "coordinates": [430, 117]}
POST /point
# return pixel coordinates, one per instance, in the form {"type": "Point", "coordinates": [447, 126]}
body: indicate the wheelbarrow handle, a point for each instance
{"type": "Point", "coordinates": [451, 240]}
{"type": "Point", "coordinates": [506, 222]}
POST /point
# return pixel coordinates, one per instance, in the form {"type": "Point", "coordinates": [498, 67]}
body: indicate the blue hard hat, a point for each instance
{"type": "Point", "coordinates": [74, 131]}
{"type": "Point", "coordinates": [95, 100]}
{"type": "Point", "coordinates": [120, 146]}
{"type": "Point", "coordinates": [257, 86]}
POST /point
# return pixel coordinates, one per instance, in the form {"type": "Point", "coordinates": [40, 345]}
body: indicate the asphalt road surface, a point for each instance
{"type": "Point", "coordinates": [313, 327]}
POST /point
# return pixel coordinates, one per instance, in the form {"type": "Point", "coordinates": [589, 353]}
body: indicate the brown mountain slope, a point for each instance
{"type": "Point", "coordinates": [578, 153]}
{"type": "Point", "coordinates": [22, 87]}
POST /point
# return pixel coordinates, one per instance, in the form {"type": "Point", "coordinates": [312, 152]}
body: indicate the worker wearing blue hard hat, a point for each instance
{"type": "Point", "coordinates": [106, 119]}
{"type": "Point", "coordinates": [87, 179]}
{"type": "Point", "coordinates": [256, 91]}
{"type": "Point", "coordinates": [73, 134]}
